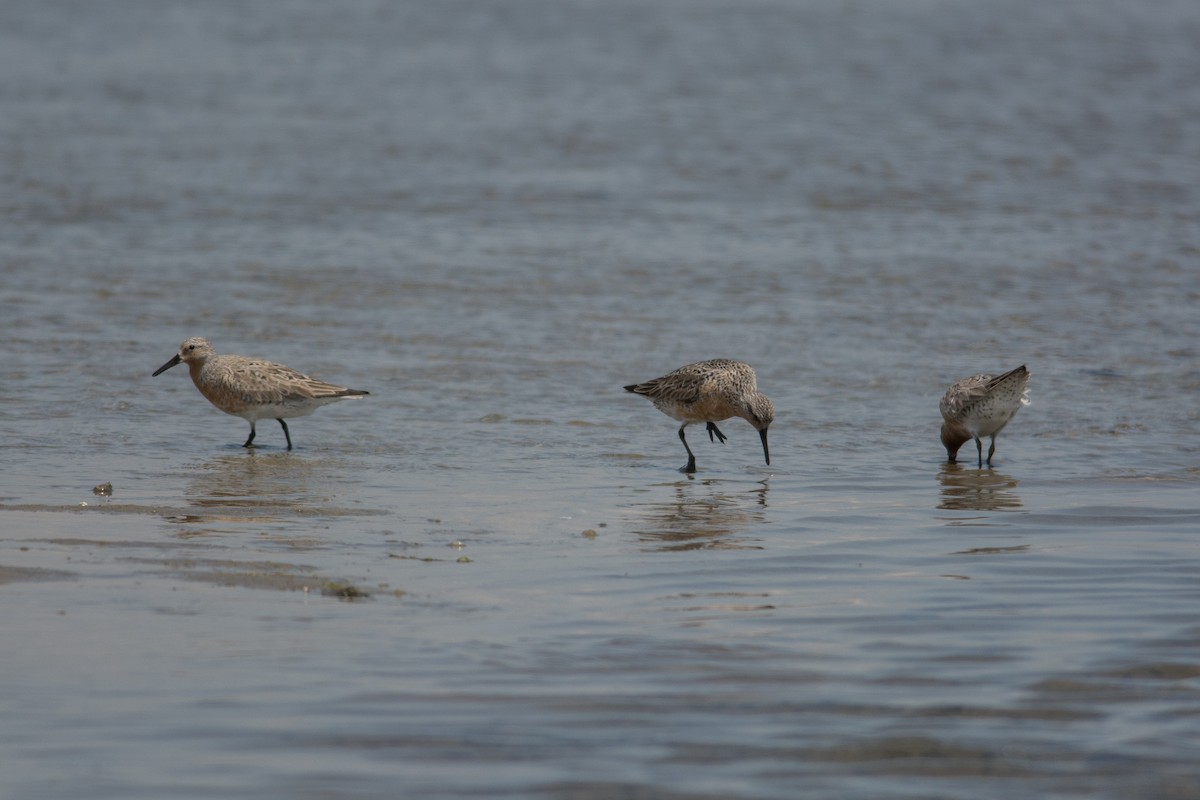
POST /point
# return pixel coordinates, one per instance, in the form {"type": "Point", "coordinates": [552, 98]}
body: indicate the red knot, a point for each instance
{"type": "Point", "coordinates": [252, 388]}
{"type": "Point", "coordinates": [709, 391]}
{"type": "Point", "coordinates": [982, 405]}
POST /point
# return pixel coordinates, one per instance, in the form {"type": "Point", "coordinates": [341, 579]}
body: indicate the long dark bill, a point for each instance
{"type": "Point", "coordinates": [766, 453]}
{"type": "Point", "coordinates": [175, 360]}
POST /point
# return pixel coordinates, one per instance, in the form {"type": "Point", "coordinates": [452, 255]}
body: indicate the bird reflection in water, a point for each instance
{"type": "Point", "coordinates": [976, 490]}
{"type": "Point", "coordinates": [702, 515]}
{"type": "Point", "coordinates": [247, 489]}
{"type": "Point", "coordinates": [250, 480]}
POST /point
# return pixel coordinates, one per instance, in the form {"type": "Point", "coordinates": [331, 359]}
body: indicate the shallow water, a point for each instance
{"type": "Point", "coordinates": [493, 216]}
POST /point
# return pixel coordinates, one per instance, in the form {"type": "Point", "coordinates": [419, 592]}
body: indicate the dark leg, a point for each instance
{"type": "Point", "coordinates": [979, 447]}
{"type": "Point", "coordinates": [250, 441]}
{"type": "Point", "coordinates": [691, 465]}
{"type": "Point", "coordinates": [285, 431]}
{"type": "Point", "coordinates": [991, 451]}
{"type": "Point", "coordinates": [712, 428]}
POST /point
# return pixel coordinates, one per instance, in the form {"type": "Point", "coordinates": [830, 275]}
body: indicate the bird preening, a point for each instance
{"type": "Point", "coordinates": [254, 389]}
{"type": "Point", "coordinates": [708, 392]}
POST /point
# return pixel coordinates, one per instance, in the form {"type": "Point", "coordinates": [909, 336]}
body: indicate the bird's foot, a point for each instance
{"type": "Point", "coordinates": [713, 429]}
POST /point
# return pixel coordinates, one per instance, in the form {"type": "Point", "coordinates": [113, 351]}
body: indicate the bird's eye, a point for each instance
{"type": "Point", "coordinates": [191, 347]}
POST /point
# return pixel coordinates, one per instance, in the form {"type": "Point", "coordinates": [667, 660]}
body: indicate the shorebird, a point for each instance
{"type": "Point", "coordinates": [710, 391]}
{"type": "Point", "coordinates": [252, 388]}
{"type": "Point", "coordinates": [982, 405]}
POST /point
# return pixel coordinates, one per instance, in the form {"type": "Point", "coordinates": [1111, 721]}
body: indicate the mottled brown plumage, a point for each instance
{"type": "Point", "coordinates": [254, 389]}
{"type": "Point", "coordinates": [981, 405]}
{"type": "Point", "coordinates": [710, 391]}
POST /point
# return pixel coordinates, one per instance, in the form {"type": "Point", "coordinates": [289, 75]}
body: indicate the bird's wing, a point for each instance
{"type": "Point", "coordinates": [675, 387]}
{"type": "Point", "coordinates": [264, 382]}
{"type": "Point", "coordinates": [963, 393]}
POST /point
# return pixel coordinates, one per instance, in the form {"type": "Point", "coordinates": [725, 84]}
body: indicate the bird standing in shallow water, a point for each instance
{"type": "Point", "coordinates": [982, 405]}
{"type": "Point", "coordinates": [252, 388]}
{"type": "Point", "coordinates": [710, 391]}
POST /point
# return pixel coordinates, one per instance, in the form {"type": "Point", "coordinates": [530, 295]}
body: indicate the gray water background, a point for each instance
{"type": "Point", "coordinates": [493, 215]}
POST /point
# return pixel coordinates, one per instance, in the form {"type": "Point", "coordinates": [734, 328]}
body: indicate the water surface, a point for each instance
{"type": "Point", "coordinates": [493, 216]}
